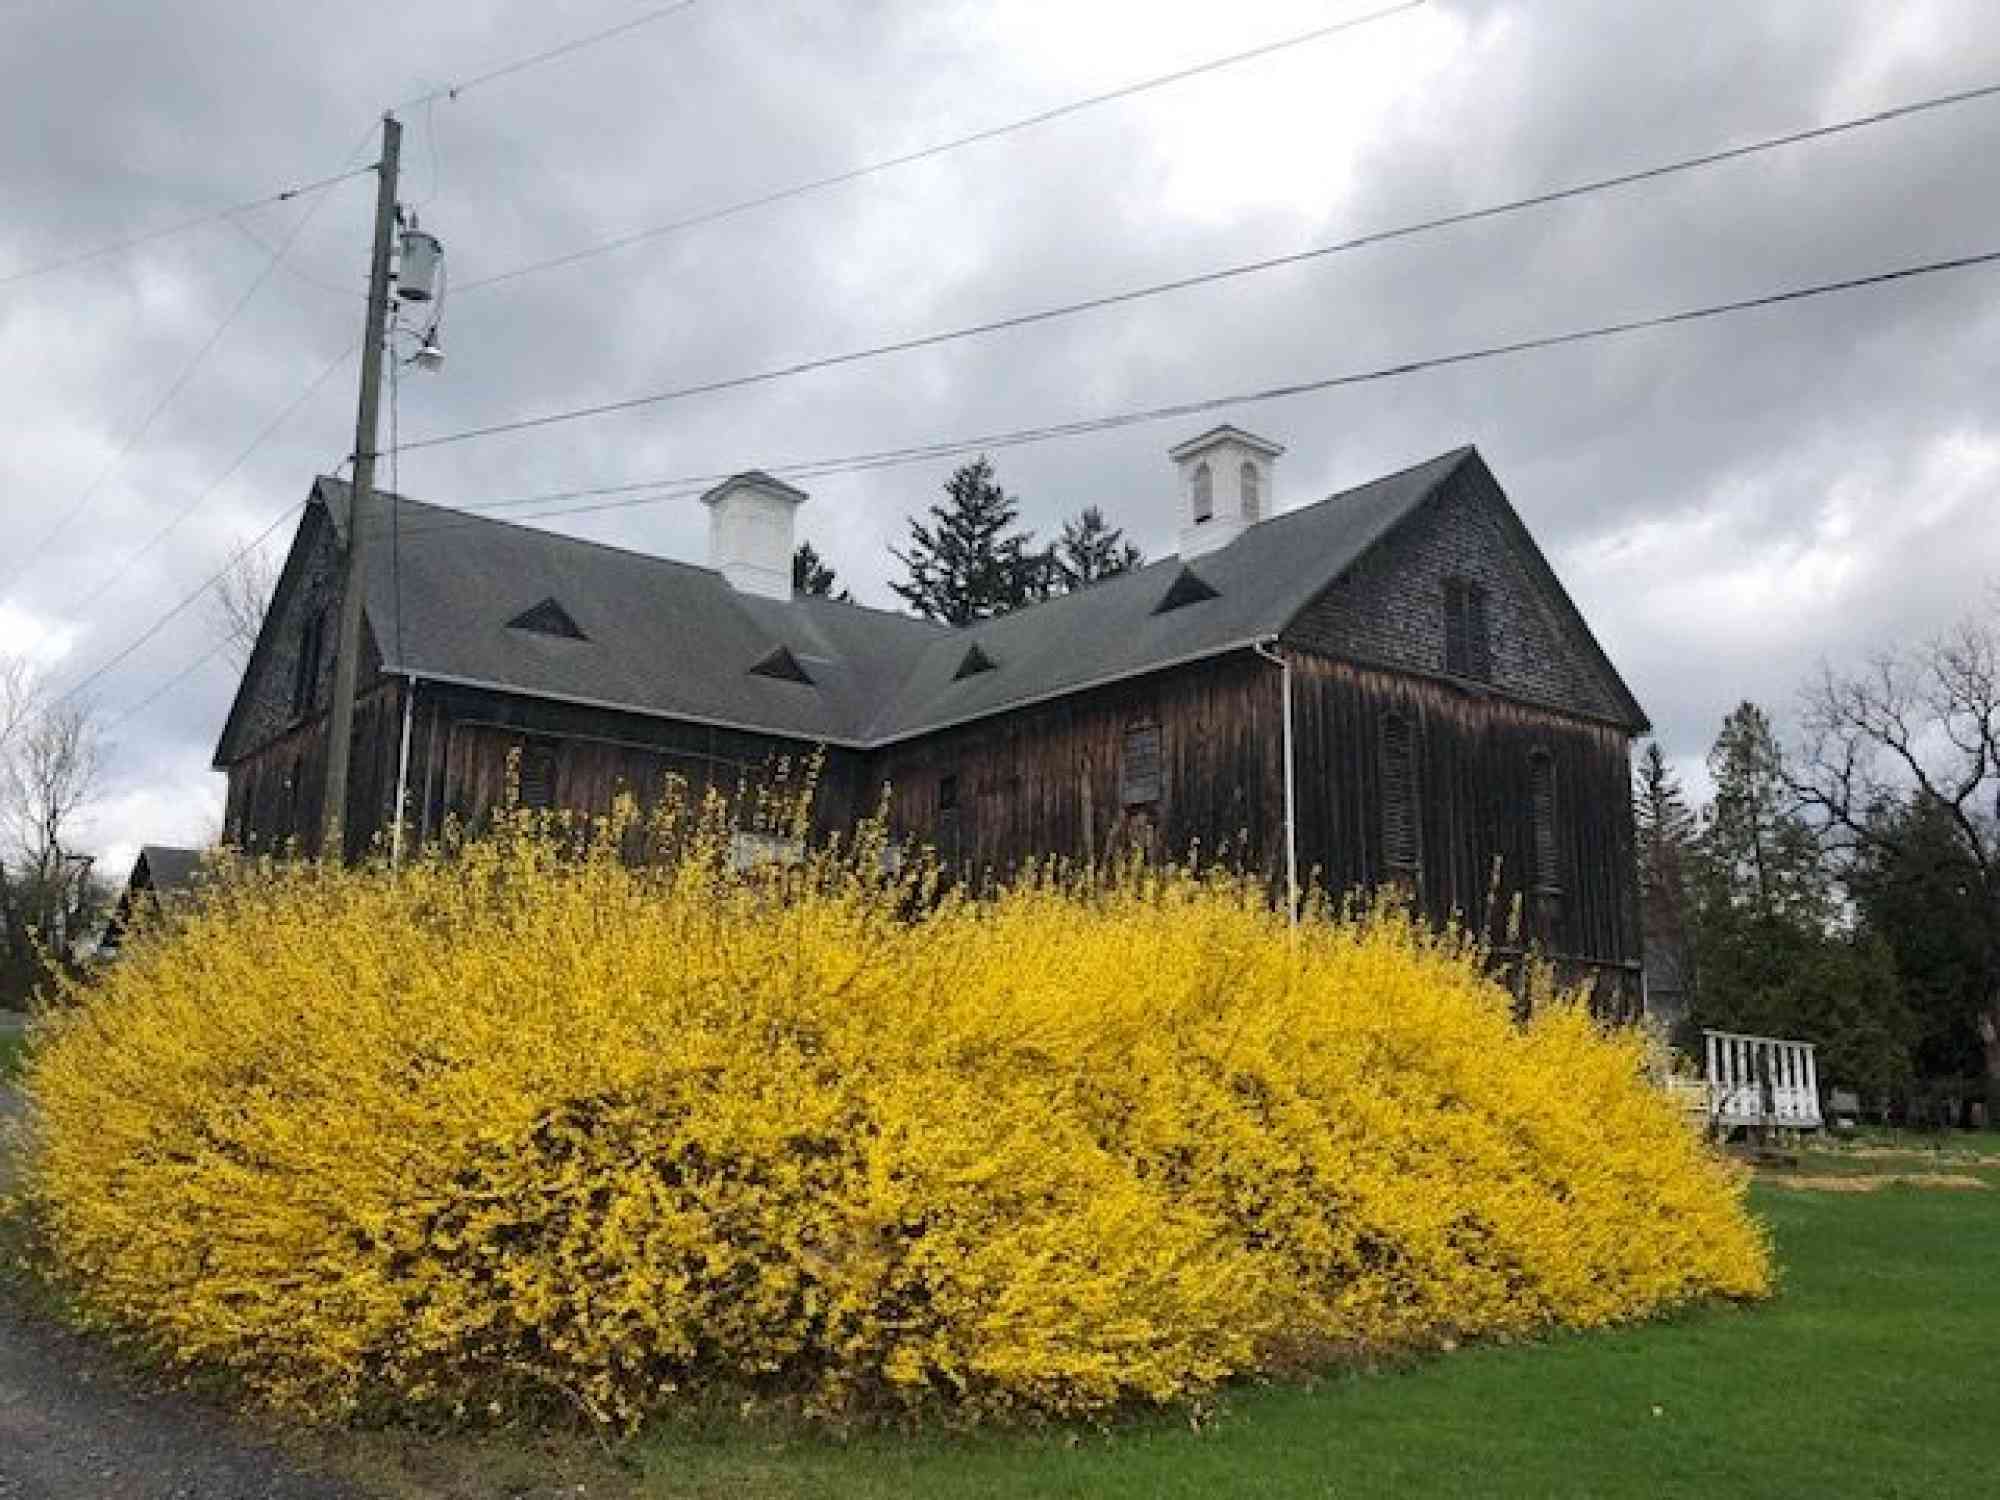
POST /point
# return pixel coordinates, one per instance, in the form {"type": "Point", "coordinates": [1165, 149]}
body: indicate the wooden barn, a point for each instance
{"type": "Point", "coordinates": [1386, 686]}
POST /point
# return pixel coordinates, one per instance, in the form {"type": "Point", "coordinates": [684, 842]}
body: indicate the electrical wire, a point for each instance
{"type": "Point", "coordinates": [892, 457]}
{"type": "Point", "coordinates": [186, 603]}
{"type": "Point", "coordinates": [169, 685]}
{"type": "Point", "coordinates": [939, 148]}
{"type": "Point", "coordinates": [84, 257]}
{"type": "Point", "coordinates": [396, 496]}
{"type": "Point", "coordinates": [132, 559]}
{"type": "Point", "coordinates": [680, 486]}
{"type": "Point", "coordinates": [180, 382]}
{"type": "Point", "coordinates": [317, 185]}
{"type": "Point", "coordinates": [564, 49]}
{"type": "Point", "coordinates": [343, 293]}
{"type": "Point", "coordinates": [1229, 272]}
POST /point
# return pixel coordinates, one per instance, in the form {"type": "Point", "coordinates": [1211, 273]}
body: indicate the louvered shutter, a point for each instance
{"type": "Point", "coordinates": [1542, 799]}
{"type": "Point", "coordinates": [1402, 847]}
{"type": "Point", "coordinates": [538, 776]}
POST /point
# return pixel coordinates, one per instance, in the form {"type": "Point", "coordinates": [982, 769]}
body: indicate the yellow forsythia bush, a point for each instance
{"type": "Point", "coordinates": [519, 1125]}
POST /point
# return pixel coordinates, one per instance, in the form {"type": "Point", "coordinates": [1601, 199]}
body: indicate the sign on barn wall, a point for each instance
{"type": "Point", "coordinates": [1141, 776]}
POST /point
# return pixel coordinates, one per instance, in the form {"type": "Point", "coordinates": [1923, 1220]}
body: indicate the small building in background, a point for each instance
{"type": "Point", "coordinates": [162, 876]}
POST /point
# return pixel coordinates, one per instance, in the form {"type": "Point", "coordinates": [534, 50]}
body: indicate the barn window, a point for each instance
{"type": "Point", "coordinates": [305, 672]}
{"type": "Point", "coordinates": [948, 794]}
{"type": "Point", "coordinates": [1468, 649]}
{"type": "Point", "coordinates": [1542, 803]}
{"type": "Point", "coordinates": [1141, 775]}
{"type": "Point", "coordinates": [538, 775]}
{"type": "Point", "coordinates": [1251, 498]}
{"type": "Point", "coordinates": [1402, 845]}
{"type": "Point", "coordinates": [1204, 493]}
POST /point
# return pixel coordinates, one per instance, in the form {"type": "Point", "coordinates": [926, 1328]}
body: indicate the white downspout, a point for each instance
{"type": "Point", "coordinates": [402, 772]}
{"type": "Point", "coordinates": [1263, 649]}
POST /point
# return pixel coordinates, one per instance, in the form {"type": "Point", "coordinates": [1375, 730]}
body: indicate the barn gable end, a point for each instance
{"type": "Point", "coordinates": [1458, 589]}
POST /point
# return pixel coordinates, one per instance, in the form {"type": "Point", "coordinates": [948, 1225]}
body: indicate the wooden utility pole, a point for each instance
{"type": "Point", "coordinates": [353, 557]}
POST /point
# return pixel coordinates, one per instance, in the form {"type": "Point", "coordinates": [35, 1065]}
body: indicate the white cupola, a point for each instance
{"type": "Point", "coordinates": [1225, 484]}
{"type": "Point", "coordinates": [751, 518]}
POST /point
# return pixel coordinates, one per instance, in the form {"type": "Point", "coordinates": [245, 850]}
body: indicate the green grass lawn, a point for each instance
{"type": "Point", "coordinates": [1870, 1376]}
{"type": "Point", "coordinates": [11, 1045]}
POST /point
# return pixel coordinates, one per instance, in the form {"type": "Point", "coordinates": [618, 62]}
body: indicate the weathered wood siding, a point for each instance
{"type": "Point", "coordinates": [1389, 608]}
{"type": "Point", "coordinates": [462, 740]}
{"type": "Point", "coordinates": [1474, 801]}
{"type": "Point", "coordinates": [277, 791]}
{"type": "Point", "coordinates": [1052, 778]}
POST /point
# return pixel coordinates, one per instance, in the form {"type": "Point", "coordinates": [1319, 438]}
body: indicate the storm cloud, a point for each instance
{"type": "Point", "coordinates": [1730, 502]}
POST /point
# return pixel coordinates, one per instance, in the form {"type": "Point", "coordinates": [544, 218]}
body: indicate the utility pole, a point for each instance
{"type": "Point", "coordinates": [347, 653]}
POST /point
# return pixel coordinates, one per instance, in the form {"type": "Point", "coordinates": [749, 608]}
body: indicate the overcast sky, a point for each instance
{"type": "Point", "coordinates": [1730, 503]}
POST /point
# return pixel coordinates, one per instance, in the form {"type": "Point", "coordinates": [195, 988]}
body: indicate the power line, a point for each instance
{"type": "Point", "coordinates": [684, 485]}
{"type": "Point", "coordinates": [1230, 272]}
{"type": "Point", "coordinates": [562, 49]}
{"type": "Point", "coordinates": [891, 457]}
{"type": "Point", "coordinates": [180, 381]}
{"type": "Point", "coordinates": [924, 153]}
{"type": "Point", "coordinates": [236, 463]}
{"type": "Point", "coordinates": [285, 195]}
{"type": "Point", "coordinates": [83, 257]}
{"type": "Point", "coordinates": [169, 685]}
{"type": "Point", "coordinates": [186, 603]}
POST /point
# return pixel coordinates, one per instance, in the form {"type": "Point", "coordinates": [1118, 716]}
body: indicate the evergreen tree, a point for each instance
{"type": "Point", "coordinates": [1767, 925]}
{"type": "Point", "coordinates": [971, 563]}
{"type": "Point", "coordinates": [1919, 894]}
{"type": "Point", "coordinates": [811, 575]}
{"type": "Point", "coordinates": [1090, 548]}
{"type": "Point", "coordinates": [1666, 832]}
{"type": "Point", "coordinates": [1762, 856]}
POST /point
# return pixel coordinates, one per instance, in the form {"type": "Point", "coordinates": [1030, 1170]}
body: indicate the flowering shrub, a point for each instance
{"type": "Point", "coordinates": [521, 1124]}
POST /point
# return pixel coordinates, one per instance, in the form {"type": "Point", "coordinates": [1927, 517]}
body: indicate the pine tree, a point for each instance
{"type": "Point", "coordinates": [970, 563]}
{"type": "Point", "coordinates": [1770, 940]}
{"type": "Point", "coordinates": [1762, 856]}
{"type": "Point", "coordinates": [811, 575]}
{"type": "Point", "coordinates": [1089, 549]}
{"type": "Point", "coordinates": [1666, 831]}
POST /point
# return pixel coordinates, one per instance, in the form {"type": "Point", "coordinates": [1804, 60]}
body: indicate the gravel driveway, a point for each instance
{"type": "Point", "coordinates": [74, 1428]}
{"type": "Point", "coordinates": [71, 1428]}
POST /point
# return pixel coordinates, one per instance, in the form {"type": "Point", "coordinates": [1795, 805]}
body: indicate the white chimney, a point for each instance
{"type": "Point", "coordinates": [750, 522]}
{"type": "Point", "coordinates": [1225, 482]}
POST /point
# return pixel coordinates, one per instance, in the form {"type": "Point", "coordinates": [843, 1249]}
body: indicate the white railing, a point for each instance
{"type": "Point", "coordinates": [1761, 1080]}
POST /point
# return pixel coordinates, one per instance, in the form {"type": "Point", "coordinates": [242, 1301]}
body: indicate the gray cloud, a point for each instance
{"type": "Point", "coordinates": [1730, 502]}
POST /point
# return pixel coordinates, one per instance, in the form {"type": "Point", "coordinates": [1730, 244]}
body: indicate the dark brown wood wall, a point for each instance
{"type": "Point", "coordinates": [276, 791]}
{"type": "Point", "coordinates": [1048, 779]}
{"type": "Point", "coordinates": [462, 738]}
{"type": "Point", "coordinates": [1474, 801]}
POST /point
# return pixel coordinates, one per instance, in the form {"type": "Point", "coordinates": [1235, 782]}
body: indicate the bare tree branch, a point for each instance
{"type": "Point", "coordinates": [240, 598]}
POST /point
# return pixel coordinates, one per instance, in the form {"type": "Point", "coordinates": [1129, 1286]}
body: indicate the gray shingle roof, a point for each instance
{"type": "Point", "coordinates": [1109, 630]}
{"type": "Point", "coordinates": [662, 637]}
{"type": "Point", "coordinates": [676, 640]}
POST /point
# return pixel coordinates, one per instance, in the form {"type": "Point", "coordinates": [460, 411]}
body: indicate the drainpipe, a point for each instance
{"type": "Point", "coordinates": [402, 771]}
{"type": "Point", "coordinates": [1284, 665]}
